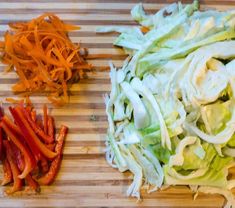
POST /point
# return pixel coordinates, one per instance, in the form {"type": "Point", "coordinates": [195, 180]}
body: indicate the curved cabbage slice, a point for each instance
{"type": "Point", "coordinates": [141, 117]}
{"type": "Point", "coordinates": [201, 84]}
{"type": "Point", "coordinates": [141, 89]}
{"type": "Point", "coordinates": [215, 174]}
{"type": "Point", "coordinates": [178, 158]}
{"type": "Point", "coordinates": [221, 137]}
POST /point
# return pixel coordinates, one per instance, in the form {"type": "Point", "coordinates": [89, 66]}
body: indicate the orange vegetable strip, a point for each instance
{"type": "Point", "coordinates": [51, 146]}
{"type": "Point", "coordinates": [7, 174]}
{"type": "Point", "coordinates": [49, 177]}
{"type": "Point", "coordinates": [38, 47]}
{"type": "Point", "coordinates": [144, 29]}
{"type": "Point", "coordinates": [18, 183]}
{"type": "Point", "coordinates": [1, 143]}
{"type": "Point", "coordinates": [11, 125]}
{"type": "Point", "coordinates": [20, 121]}
{"type": "Point", "coordinates": [18, 157]}
{"type": "Point", "coordinates": [34, 116]}
{"type": "Point", "coordinates": [32, 183]}
{"type": "Point", "coordinates": [45, 118]}
{"type": "Point", "coordinates": [44, 165]}
{"type": "Point", "coordinates": [36, 128]}
{"type": "Point", "coordinates": [71, 27]}
{"type": "Point", "coordinates": [29, 159]}
{"type": "Point", "coordinates": [20, 163]}
{"type": "Point", "coordinates": [12, 100]}
{"type": "Point", "coordinates": [50, 124]}
{"type": "Point", "coordinates": [71, 55]}
{"type": "Point", "coordinates": [31, 136]}
{"type": "Point", "coordinates": [26, 43]}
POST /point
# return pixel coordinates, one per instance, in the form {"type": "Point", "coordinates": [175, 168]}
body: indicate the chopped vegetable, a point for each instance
{"type": "Point", "coordinates": [18, 141]}
{"type": "Point", "coordinates": [45, 120]}
{"type": "Point", "coordinates": [18, 183]}
{"type": "Point", "coordinates": [49, 177]}
{"type": "Point", "coordinates": [50, 128]}
{"type": "Point", "coordinates": [29, 134]}
{"type": "Point", "coordinates": [43, 56]}
{"type": "Point", "coordinates": [7, 174]}
{"type": "Point", "coordinates": [171, 109]}
{"type": "Point", "coordinates": [27, 154]}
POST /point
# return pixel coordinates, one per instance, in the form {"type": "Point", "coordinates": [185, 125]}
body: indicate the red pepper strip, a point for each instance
{"type": "Point", "coordinates": [51, 127]}
{"type": "Point", "coordinates": [18, 183]}
{"type": "Point", "coordinates": [7, 174]}
{"type": "Point", "coordinates": [11, 125]}
{"type": "Point", "coordinates": [32, 183]}
{"type": "Point", "coordinates": [44, 165]}
{"type": "Point", "coordinates": [30, 143]}
{"type": "Point", "coordinates": [39, 122]}
{"type": "Point", "coordinates": [29, 135]}
{"type": "Point", "coordinates": [18, 156]}
{"type": "Point", "coordinates": [28, 157]}
{"type": "Point", "coordinates": [33, 115]}
{"type": "Point", "coordinates": [36, 128]}
{"type": "Point", "coordinates": [28, 101]}
{"type": "Point", "coordinates": [1, 112]}
{"type": "Point", "coordinates": [1, 137]}
{"type": "Point", "coordinates": [35, 171]}
{"type": "Point", "coordinates": [45, 118]}
{"type": "Point", "coordinates": [51, 146]}
{"type": "Point", "coordinates": [49, 177]}
{"type": "Point", "coordinates": [20, 163]}
{"type": "Point", "coordinates": [1, 144]}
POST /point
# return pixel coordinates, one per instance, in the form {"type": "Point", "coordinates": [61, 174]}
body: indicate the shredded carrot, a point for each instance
{"type": "Point", "coordinates": [144, 29]}
{"type": "Point", "coordinates": [43, 56]}
{"type": "Point", "coordinates": [45, 118]}
{"type": "Point", "coordinates": [14, 101]}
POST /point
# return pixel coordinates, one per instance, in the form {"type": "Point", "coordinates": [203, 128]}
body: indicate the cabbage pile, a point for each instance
{"type": "Point", "coordinates": [171, 110]}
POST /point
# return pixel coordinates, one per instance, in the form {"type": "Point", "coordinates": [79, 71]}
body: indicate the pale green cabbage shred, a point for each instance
{"type": "Point", "coordinates": [171, 110]}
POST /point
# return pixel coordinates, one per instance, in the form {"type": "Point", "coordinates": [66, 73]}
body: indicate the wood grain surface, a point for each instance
{"type": "Point", "coordinates": [85, 180]}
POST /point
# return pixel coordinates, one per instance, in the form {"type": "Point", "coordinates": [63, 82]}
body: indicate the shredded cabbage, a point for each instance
{"type": "Point", "coordinates": [171, 111]}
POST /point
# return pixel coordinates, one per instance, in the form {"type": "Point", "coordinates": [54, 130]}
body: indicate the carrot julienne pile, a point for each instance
{"type": "Point", "coordinates": [43, 56]}
{"type": "Point", "coordinates": [29, 150]}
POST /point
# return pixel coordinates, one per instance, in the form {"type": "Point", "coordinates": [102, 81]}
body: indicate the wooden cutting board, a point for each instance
{"type": "Point", "coordinates": [84, 178]}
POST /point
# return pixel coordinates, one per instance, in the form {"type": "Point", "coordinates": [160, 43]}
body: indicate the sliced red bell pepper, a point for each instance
{"type": "Point", "coordinates": [18, 183]}
{"type": "Point", "coordinates": [32, 183]}
{"type": "Point", "coordinates": [28, 157]}
{"type": "Point", "coordinates": [1, 112]}
{"type": "Point", "coordinates": [33, 115]}
{"type": "Point", "coordinates": [29, 135]}
{"type": "Point", "coordinates": [39, 123]}
{"type": "Point", "coordinates": [35, 172]}
{"type": "Point", "coordinates": [1, 136]}
{"type": "Point", "coordinates": [34, 149]}
{"type": "Point", "coordinates": [20, 163]}
{"type": "Point", "coordinates": [11, 125]}
{"type": "Point", "coordinates": [36, 128]}
{"type": "Point", "coordinates": [49, 177]}
{"type": "Point", "coordinates": [51, 128]}
{"type": "Point", "coordinates": [45, 117]}
{"type": "Point", "coordinates": [51, 146]}
{"type": "Point", "coordinates": [1, 143]}
{"type": "Point", "coordinates": [7, 174]}
{"type": "Point", "coordinates": [18, 157]}
{"type": "Point", "coordinates": [44, 164]}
